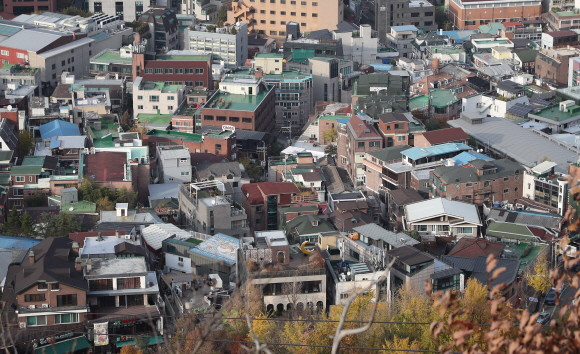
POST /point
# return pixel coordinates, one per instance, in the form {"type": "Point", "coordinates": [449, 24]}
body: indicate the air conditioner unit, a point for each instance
{"type": "Point", "coordinates": [127, 237]}
{"type": "Point", "coordinates": [22, 324]}
{"type": "Point", "coordinates": [44, 306]}
{"type": "Point", "coordinates": [180, 264]}
{"type": "Point", "coordinates": [31, 306]}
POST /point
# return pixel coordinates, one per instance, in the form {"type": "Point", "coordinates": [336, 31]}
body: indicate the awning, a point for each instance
{"type": "Point", "coordinates": [152, 341]}
{"type": "Point", "coordinates": [65, 347]}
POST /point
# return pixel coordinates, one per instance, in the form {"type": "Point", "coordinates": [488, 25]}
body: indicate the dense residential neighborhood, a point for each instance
{"type": "Point", "coordinates": [208, 176]}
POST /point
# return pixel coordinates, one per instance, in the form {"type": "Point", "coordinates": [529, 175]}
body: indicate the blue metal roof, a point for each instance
{"type": "Point", "coordinates": [466, 157]}
{"type": "Point", "coordinates": [58, 128]}
{"type": "Point", "coordinates": [416, 153]}
{"type": "Point", "coordinates": [219, 247]}
{"type": "Point", "coordinates": [460, 36]}
{"type": "Point", "coordinates": [343, 120]}
{"type": "Point", "coordinates": [20, 243]}
{"type": "Point", "coordinates": [404, 28]}
{"type": "Point", "coordinates": [8, 30]}
{"type": "Point", "coordinates": [381, 67]}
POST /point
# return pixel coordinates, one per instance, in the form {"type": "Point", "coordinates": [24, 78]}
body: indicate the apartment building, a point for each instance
{"type": "Point", "coordinates": [400, 38]}
{"type": "Point", "coordinates": [398, 128]}
{"type": "Point", "coordinates": [208, 207]}
{"type": "Point", "coordinates": [420, 14]}
{"type": "Point", "coordinates": [561, 20]}
{"type": "Point", "coordinates": [466, 14]}
{"type": "Point", "coordinates": [203, 10]}
{"type": "Point", "coordinates": [333, 79]}
{"type": "Point", "coordinates": [359, 43]}
{"type": "Point", "coordinates": [527, 29]}
{"type": "Point", "coordinates": [546, 188]}
{"type": "Point", "coordinates": [156, 97]}
{"type": "Point", "coordinates": [374, 162]}
{"type": "Point", "coordinates": [173, 164]}
{"type": "Point", "coordinates": [355, 138]}
{"type": "Point", "coordinates": [126, 10]}
{"type": "Point", "coordinates": [215, 140]}
{"type": "Point", "coordinates": [478, 181]}
{"type": "Point", "coordinates": [271, 17]}
{"type": "Point", "coordinates": [228, 44]}
{"type": "Point", "coordinates": [573, 71]}
{"type": "Point", "coordinates": [115, 62]}
{"type": "Point", "coordinates": [558, 39]}
{"type": "Point", "coordinates": [243, 102]}
{"type": "Point", "coordinates": [18, 74]}
{"type": "Point", "coordinates": [552, 65]}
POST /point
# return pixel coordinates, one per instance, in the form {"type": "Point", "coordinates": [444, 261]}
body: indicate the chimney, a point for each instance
{"type": "Point", "coordinates": [78, 264]}
{"type": "Point", "coordinates": [117, 233]}
{"type": "Point", "coordinates": [75, 247]}
{"type": "Point", "coordinates": [31, 257]}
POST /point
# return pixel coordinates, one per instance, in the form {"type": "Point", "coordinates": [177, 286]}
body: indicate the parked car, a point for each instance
{"type": "Point", "coordinates": [551, 297]}
{"type": "Point", "coordinates": [544, 318]}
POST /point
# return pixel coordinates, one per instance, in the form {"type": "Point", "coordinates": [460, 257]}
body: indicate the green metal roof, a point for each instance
{"type": "Point", "coordinates": [67, 346]}
{"type": "Point", "coordinates": [268, 55]}
{"type": "Point", "coordinates": [157, 119]}
{"type": "Point", "coordinates": [441, 98]}
{"type": "Point", "coordinates": [6, 155]}
{"type": "Point", "coordinates": [554, 112]}
{"type": "Point", "coordinates": [25, 170]}
{"type": "Point", "coordinates": [419, 102]}
{"type": "Point", "coordinates": [508, 230]}
{"type": "Point", "coordinates": [109, 57]}
{"type": "Point", "coordinates": [238, 102]}
{"type": "Point", "coordinates": [4, 178]}
{"type": "Point", "coordinates": [33, 161]}
{"type": "Point", "coordinates": [175, 135]}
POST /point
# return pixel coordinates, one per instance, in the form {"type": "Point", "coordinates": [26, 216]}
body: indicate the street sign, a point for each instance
{"type": "Point", "coordinates": [533, 299]}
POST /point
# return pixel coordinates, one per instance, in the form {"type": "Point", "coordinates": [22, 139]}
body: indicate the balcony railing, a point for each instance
{"type": "Point", "coordinates": [288, 273]}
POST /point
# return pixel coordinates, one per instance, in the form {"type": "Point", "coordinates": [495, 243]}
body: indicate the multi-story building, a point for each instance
{"type": "Point", "coordinates": [478, 181]}
{"type": "Point", "coordinates": [531, 30]}
{"type": "Point", "coordinates": [410, 270]}
{"type": "Point", "coordinates": [37, 291]}
{"type": "Point", "coordinates": [441, 136]}
{"type": "Point", "coordinates": [562, 116]}
{"type": "Point", "coordinates": [262, 201]}
{"type": "Point", "coordinates": [211, 211]}
{"type": "Point", "coordinates": [400, 38]}
{"type": "Point", "coordinates": [18, 74]}
{"type": "Point", "coordinates": [228, 44]}
{"type": "Point", "coordinates": [216, 140]}
{"type": "Point", "coordinates": [359, 43]}
{"type": "Point", "coordinates": [333, 79]}
{"type": "Point", "coordinates": [354, 139]}
{"type": "Point", "coordinates": [396, 201]}
{"type": "Point", "coordinates": [561, 20]}
{"type": "Point", "coordinates": [127, 10]}
{"type": "Point", "coordinates": [558, 39]}
{"type": "Point", "coordinates": [12, 7]}
{"type": "Point", "coordinates": [299, 50]}
{"type": "Point", "coordinates": [243, 102]}
{"type": "Point", "coordinates": [398, 128]}
{"type": "Point", "coordinates": [156, 97]}
{"type": "Point", "coordinates": [204, 10]}
{"type": "Point", "coordinates": [420, 14]}
{"type": "Point", "coordinates": [374, 162]}
{"type": "Point", "coordinates": [115, 62]}
{"type": "Point", "coordinates": [574, 71]}
{"type": "Point", "coordinates": [162, 29]}
{"type": "Point", "coordinates": [466, 14]}
{"type": "Point", "coordinates": [173, 164]}
{"type": "Point", "coordinates": [270, 18]}
{"type": "Point", "coordinates": [546, 187]}
{"type": "Point", "coordinates": [294, 91]}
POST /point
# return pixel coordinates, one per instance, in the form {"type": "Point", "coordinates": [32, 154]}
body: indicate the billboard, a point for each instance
{"type": "Point", "coordinates": [102, 333]}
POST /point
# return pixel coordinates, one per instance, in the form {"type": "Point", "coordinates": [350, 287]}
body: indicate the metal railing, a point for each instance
{"type": "Point", "coordinates": [288, 273]}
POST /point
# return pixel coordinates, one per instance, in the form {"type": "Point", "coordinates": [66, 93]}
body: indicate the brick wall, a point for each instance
{"type": "Point", "coordinates": [459, 17]}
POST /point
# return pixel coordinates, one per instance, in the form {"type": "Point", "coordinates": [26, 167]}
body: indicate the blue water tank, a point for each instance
{"type": "Point", "coordinates": [497, 205]}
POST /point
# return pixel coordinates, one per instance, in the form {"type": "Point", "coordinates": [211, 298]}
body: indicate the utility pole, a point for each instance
{"type": "Point", "coordinates": [263, 150]}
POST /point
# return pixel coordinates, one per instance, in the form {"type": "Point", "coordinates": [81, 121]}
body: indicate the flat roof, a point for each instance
{"type": "Point", "coordinates": [195, 57]}
{"type": "Point", "coordinates": [554, 113]}
{"type": "Point", "coordinates": [520, 144]}
{"type": "Point", "coordinates": [219, 247]}
{"type": "Point", "coordinates": [175, 135]}
{"type": "Point", "coordinates": [238, 102]}
{"type": "Point", "coordinates": [161, 86]}
{"type": "Point", "coordinates": [109, 56]}
{"type": "Point", "coordinates": [157, 119]}
{"type": "Point", "coordinates": [105, 246]}
{"type": "Point", "coordinates": [117, 266]}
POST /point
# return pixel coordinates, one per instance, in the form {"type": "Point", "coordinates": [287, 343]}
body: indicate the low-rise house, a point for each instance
{"type": "Point", "coordinates": [397, 199]}
{"type": "Point", "coordinates": [173, 164]}
{"type": "Point", "coordinates": [558, 39]}
{"type": "Point", "coordinates": [478, 181]}
{"type": "Point", "coordinates": [441, 136]}
{"type": "Point", "coordinates": [400, 38]}
{"type": "Point", "coordinates": [376, 236]}
{"type": "Point", "coordinates": [216, 255]}
{"type": "Point", "coordinates": [227, 172]}
{"type": "Point", "coordinates": [346, 221]}
{"type": "Point", "coordinates": [411, 269]}
{"type": "Point", "coordinates": [156, 97]}
{"type": "Point", "coordinates": [525, 60]}
{"type": "Point", "coordinates": [490, 104]}
{"type": "Point", "coordinates": [287, 281]}
{"type": "Point", "coordinates": [153, 237]}
{"type": "Point", "coordinates": [307, 227]}
{"type": "Point", "coordinates": [346, 278]}
{"type": "Point", "coordinates": [208, 207]}
{"type": "Point", "coordinates": [469, 247]}
{"type": "Point", "coordinates": [176, 251]}
{"type": "Point", "coordinates": [398, 128]}
{"type": "Point", "coordinates": [509, 233]}
{"type": "Point", "coordinates": [355, 200]}
{"type": "Point", "coordinates": [116, 245]}
{"type": "Point", "coordinates": [442, 217]}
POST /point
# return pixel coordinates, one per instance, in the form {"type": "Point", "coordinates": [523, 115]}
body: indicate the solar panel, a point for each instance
{"type": "Point", "coordinates": [540, 102]}
{"type": "Point", "coordinates": [520, 110]}
{"type": "Point", "coordinates": [511, 217]}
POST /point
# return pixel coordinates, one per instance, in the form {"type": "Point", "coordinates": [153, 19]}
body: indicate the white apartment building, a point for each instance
{"type": "Point", "coordinates": [156, 97]}
{"type": "Point", "coordinates": [18, 74]}
{"type": "Point", "coordinates": [490, 105]}
{"type": "Point", "coordinates": [231, 49]}
{"type": "Point", "coordinates": [358, 44]}
{"type": "Point", "coordinates": [400, 39]}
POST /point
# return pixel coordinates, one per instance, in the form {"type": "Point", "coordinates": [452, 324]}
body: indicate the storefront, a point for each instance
{"type": "Point", "coordinates": [128, 340]}
{"type": "Point", "coordinates": [78, 345]}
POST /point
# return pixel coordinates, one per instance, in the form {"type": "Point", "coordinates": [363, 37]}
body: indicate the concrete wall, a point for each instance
{"type": "Point", "coordinates": [234, 45]}
{"type": "Point", "coordinates": [129, 13]}
{"type": "Point", "coordinates": [167, 104]}
{"type": "Point", "coordinates": [172, 262]}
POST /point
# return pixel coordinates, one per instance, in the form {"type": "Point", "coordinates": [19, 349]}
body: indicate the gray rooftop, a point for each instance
{"type": "Point", "coordinates": [375, 232]}
{"type": "Point", "coordinates": [207, 169]}
{"type": "Point", "coordinates": [32, 39]}
{"type": "Point", "coordinates": [527, 218]}
{"type": "Point", "coordinates": [461, 174]}
{"type": "Point", "coordinates": [389, 154]}
{"type": "Point", "coordinates": [520, 144]}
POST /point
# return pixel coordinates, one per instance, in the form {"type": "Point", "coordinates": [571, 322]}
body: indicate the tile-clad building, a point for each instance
{"type": "Point", "coordinates": [242, 102]}
{"type": "Point", "coordinates": [470, 14]}
{"type": "Point", "coordinates": [552, 65]}
{"type": "Point", "coordinates": [398, 128]}
{"type": "Point", "coordinates": [354, 139]}
{"type": "Point", "coordinates": [478, 181]}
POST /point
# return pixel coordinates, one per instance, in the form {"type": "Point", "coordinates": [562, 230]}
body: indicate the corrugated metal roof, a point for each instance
{"type": "Point", "coordinates": [58, 128]}
{"type": "Point", "coordinates": [404, 28]}
{"type": "Point", "coordinates": [433, 207]}
{"type": "Point", "coordinates": [19, 243]}
{"type": "Point", "coordinates": [155, 234]}
{"type": "Point", "coordinates": [9, 30]}
{"type": "Point", "coordinates": [375, 232]}
{"type": "Point", "coordinates": [32, 40]}
{"type": "Point", "coordinates": [417, 153]}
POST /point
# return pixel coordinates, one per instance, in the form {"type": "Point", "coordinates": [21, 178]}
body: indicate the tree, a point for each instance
{"type": "Point", "coordinates": [130, 349]}
{"type": "Point", "coordinates": [329, 135]}
{"type": "Point", "coordinates": [220, 23]}
{"type": "Point", "coordinates": [105, 204]}
{"type": "Point", "coordinates": [539, 278]}
{"type": "Point", "coordinates": [234, 31]}
{"type": "Point", "coordinates": [36, 200]}
{"type": "Point", "coordinates": [26, 225]}
{"type": "Point", "coordinates": [276, 149]}
{"type": "Point", "coordinates": [57, 225]}
{"type": "Point", "coordinates": [73, 11]}
{"type": "Point", "coordinates": [475, 302]}
{"type": "Point", "coordinates": [293, 291]}
{"type": "Point", "coordinates": [26, 143]}
{"type": "Point", "coordinates": [252, 169]}
{"type": "Point", "coordinates": [13, 223]}
{"type": "Point", "coordinates": [265, 330]}
{"type": "Point", "coordinates": [405, 344]}
{"type": "Point", "coordinates": [348, 13]}
{"type": "Point", "coordinates": [441, 18]}
{"type": "Point", "coordinates": [223, 14]}
{"type": "Point", "coordinates": [433, 124]}
{"type": "Point", "coordinates": [141, 343]}
{"type": "Point", "coordinates": [330, 150]}
{"type": "Point", "coordinates": [448, 26]}
{"type": "Point", "coordinates": [139, 27]}
{"type": "Point", "coordinates": [126, 121]}
{"type": "Point", "coordinates": [414, 234]}
{"type": "Point", "coordinates": [211, 28]}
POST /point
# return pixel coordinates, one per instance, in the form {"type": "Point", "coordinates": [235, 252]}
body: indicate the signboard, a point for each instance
{"type": "Point", "coordinates": [101, 333]}
{"type": "Point", "coordinates": [533, 299]}
{"type": "Point", "coordinates": [228, 127]}
{"type": "Point", "coordinates": [461, 282]}
{"type": "Point", "coordinates": [50, 340]}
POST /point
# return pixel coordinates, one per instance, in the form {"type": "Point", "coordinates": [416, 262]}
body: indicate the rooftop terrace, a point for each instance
{"type": "Point", "coordinates": [109, 57]}
{"type": "Point", "coordinates": [156, 119]}
{"type": "Point", "coordinates": [236, 102]}
{"type": "Point", "coordinates": [554, 113]}
{"type": "Point", "coordinates": [19, 70]}
{"type": "Point", "coordinates": [160, 86]}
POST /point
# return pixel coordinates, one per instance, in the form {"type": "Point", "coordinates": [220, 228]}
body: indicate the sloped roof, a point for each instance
{"type": "Point", "coordinates": [410, 255]}
{"type": "Point", "coordinates": [58, 128]}
{"type": "Point", "coordinates": [390, 153]}
{"type": "Point", "coordinates": [303, 225]}
{"type": "Point", "coordinates": [155, 234]}
{"type": "Point", "coordinates": [507, 277]}
{"type": "Point", "coordinates": [271, 188]}
{"type": "Point", "coordinates": [437, 206]}
{"type": "Point", "coordinates": [416, 152]}
{"type": "Point", "coordinates": [474, 247]}
{"type": "Point", "coordinates": [375, 232]}
{"type": "Point", "coordinates": [442, 136]}
{"type": "Point", "coordinates": [405, 196]}
{"type": "Point", "coordinates": [106, 166]}
{"type": "Point", "coordinates": [217, 169]}
{"type": "Point", "coordinates": [461, 174]}
{"type": "Point", "coordinates": [8, 134]}
{"type": "Point", "coordinates": [527, 218]}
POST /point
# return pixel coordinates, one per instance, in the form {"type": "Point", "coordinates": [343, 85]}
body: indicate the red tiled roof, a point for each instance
{"type": "Point", "coordinates": [80, 236]}
{"type": "Point", "coordinates": [475, 247]}
{"type": "Point", "coordinates": [442, 136]}
{"type": "Point", "coordinates": [565, 33]}
{"type": "Point", "coordinates": [541, 233]}
{"type": "Point", "coordinates": [106, 166]}
{"type": "Point", "coordinates": [512, 23]}
{"type": "Point", "coordinates": [358, 126]}
{"type": "Point", "coordinates": [271, 188]}
{"type": "Point", "coordinates": [252, 192]}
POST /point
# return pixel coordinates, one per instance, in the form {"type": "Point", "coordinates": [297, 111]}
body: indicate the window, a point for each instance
{"type": "Point", "coordinates": [374, 144]}
{"type": "Point", "coordinates": [272, 12]}
{"type": "Point", "coordinates": [207, 117]}
{"type": "Point", "coordinates": [170, 108]}
{"type": "Point", "coordinates": [469, 184]}
{"type": "Point", "coordinates": [361, 144]}
{"type": "Point", "coordinates": [258, 221]}
{"type": "Point", "coordinates": [282, 12]}
{"type": "Point", "coordinates": [293, 13]}
{"type": "Point", "coordinates": [55, 286]}
{"type": "Point", "coordinates": [199, 84]}
{"type": "Point", "coordinates": [401, 138]}
{"type": "Point", "coordinates": [303, 14]}
{"type": "Point", "coordinates": [17, 202]}
{"type": "Point", "coordinates": [34, 297]}
{"type": "Point", "coordinates": [190, 84]}
{"type": "Point", "coordinates": [303, 3]}
{"type": "Point", "coordinates": [153, 98]}
{"type": "Point", "coordinates": [314, 15]}
{"type": "Point", "coordinates": [36, 321]}
{"type": "Point", "coordinates": [179, 70]}
{"type": "Point", "coordinates": [19, 178]}
{"type": "Point", "coordinates": [98, 7]}
{"type": "Point", "coordinates": [171, 98]}
{"type": "Point", "coordinates": [247, 120]}
{"type": "Point", "coordinates": [464, 230]}
{"type": "Point", "coordinates": [66, 300]}
{"type": "Point", "coordinates": [66, 318]}
{"type": "Point", "coordinates": [158, 70]}
{"type": "Point", "coordinates": [30, 178]}
{"type": "Point", "coordinates": [273, 33]}
{"type": "Point", "coordinates": [282, 23]}
{"type": "Point", "coordinates": [140, 107]}
{"type": "Point", "coordinates": [303, 24]}
{"type": "Point", "coordinates": [506, 190]}
{"type": "Point", "coordinates": [20, 55]}
{"type": "Point", "coordinates": [169, 70]}
{"type": "Point", "coordinates": [505, 179]}
{"type": "Point", "coordinates": [272, 22]}
{"type": "Point", "coordinates": [63, 63]}
{"type": "Point", "coordinates": [235, 119]}
{"type": "Point", "coordinates": [148, 71]}
{"type": "Point", "coordinates": [155, 107]}
{"type": "Point", "coordinates": [486, 184]}
{"type": "Point", "coordinates": [186, 173]}
{"type": "Point", "coordinates": [263, 21]}
{"type": "Point", "coordinates": [5, 52]}
{"type": "Point", "coordinates": [53, 66]}
{"type": "Point", "coordinates": [262, 11]}
{"type": "Point", "coordinates": [139, 97]}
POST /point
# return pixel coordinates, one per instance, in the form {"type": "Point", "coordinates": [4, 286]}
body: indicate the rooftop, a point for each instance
{"type": "Point", "coordinates": [416, 153]}
{"type": "Point", "coordinates": [554, 113]}
{"type": "Point", "coordinates": [108, 57]}
{"type": "Point", "coordinates": [237, 102]}
{"type": "Point", "coordinates": [438, 206]}
{"type": "Point", "coordinates": [219, 247]}
{"type": "Point", "coordinates": [182, 57]}
{"type": "Point", "coordinates": [117, 266]}
{"type": "Point", "coordinates": [158, 86]}
{"type": "Point", "coordinates": [155, 119]}
{"type": "Point", "coordinates": [441, 98]}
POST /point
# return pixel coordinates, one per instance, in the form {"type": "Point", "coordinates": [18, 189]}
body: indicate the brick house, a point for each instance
{"type": "Point", "coordinates": [397, 199]}
{"type": "Point", "coordinates": [466, 16]}
{"type": "Point", "coordinates": [215, 141]}
{"type": "Point", "coordinates": [354, 139]}
{"type": "Point", "coordinates": [46, 286]}
{"type": "Point", "coordinates": [374, 162]}
{"type": "Point", "coordinates": [262, 200]}
{"type": "Point", "coordinates": [441, 136]}
{"type": "Point", "coordinates": [398, 128]}
{"type": "Point", "coordinates": [552, 65]}
{"type": "Point", "coordinates": [478, 181]}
